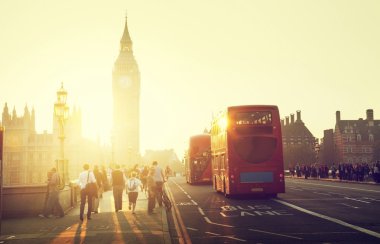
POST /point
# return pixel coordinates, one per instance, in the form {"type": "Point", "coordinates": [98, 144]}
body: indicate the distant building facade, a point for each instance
{"type": "Point", "coordinates": [126, 104]}
{"type": "Point", "coordinates": [28, 155]}
{"type": "Point", "coordinates": [298, 141]}
{"type": "Point", "coordinates": [355, 140]}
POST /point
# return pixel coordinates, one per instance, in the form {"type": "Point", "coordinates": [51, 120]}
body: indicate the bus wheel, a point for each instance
{"type": "Point", "coordinates": [273, 195]}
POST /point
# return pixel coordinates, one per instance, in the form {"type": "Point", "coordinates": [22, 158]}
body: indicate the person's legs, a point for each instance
{"type": "Point", "coordinates": [49, 206]}
{"type": "Point", "coordinates": [114, 190]}
{"type": "Point", "coordinates": [82, 203]}
{"type": "Point", "coordinates": [159, 185]}
{"type": "Point", "coordinates": [129, 200]}
{"type": "Point", "coordinates": [56, 205]}
{"type": "Point", "coordinates": [89, 199]}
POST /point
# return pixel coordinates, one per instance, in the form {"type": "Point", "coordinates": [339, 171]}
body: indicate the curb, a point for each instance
{"type": "Point", "coordinates": [335, 180]}
{"type": "Point", "coordinates": [165, 226]}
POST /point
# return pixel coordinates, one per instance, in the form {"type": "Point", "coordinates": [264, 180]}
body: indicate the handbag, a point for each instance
{"type": "Point", "coordinates": [91, 187]}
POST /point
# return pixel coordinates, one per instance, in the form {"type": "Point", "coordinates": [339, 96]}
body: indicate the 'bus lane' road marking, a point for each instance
{"type": "Point", "coordinates": [213, 223]}
{"type": "Point", "coordinates": [337, 221]}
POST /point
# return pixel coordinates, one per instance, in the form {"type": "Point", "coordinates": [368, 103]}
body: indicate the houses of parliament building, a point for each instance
{"type": "Point", "coordinates": [28, 155]}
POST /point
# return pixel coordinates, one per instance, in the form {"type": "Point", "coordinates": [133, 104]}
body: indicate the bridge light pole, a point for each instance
{"type": "Point", "coordinates": [61, 112]}
{"type": "Point", "coordinates": [1, 174]}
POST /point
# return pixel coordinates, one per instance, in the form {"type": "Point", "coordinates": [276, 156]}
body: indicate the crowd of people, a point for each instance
{"type": "Point", "coordinates": [148, 179]}
{"type": "Point", "coordinates": [342, 171]}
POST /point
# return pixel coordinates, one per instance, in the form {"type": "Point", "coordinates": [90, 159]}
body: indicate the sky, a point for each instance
{"type": "Point", "coordinates": [195, 58]}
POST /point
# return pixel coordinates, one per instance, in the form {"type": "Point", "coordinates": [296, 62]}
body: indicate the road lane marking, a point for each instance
{"type": "Point", "coordinates": [348, 205]}
{"type": "Point", "coordinates": [188, 196]}
{"type": "Point", "coordinates": [234, 238]}
{"type": "Point", "coordinates": [195, 203]}
{"type": "Point", "coordinates": [372, 199]}
{"type": "Point", "coordinates": [324, 233]}
{"type": "Point", "coordinates": [214, 234]}
{"type": "Point", "coordinates": [201, 211]}
{"type": "Point", "coordinates": [276, 234]}
{"type": "Point", "coordinates": [313, 199]}
{"type": "Point", "coordinates": [189, 228]}
{"type": "Point", "coordinates": [321, 193]}
{"type": "Point", "coordinates": [350, 188]}
{"type": "Point", "coordinates": [213, 223]}
{"type": "Point", "coordinates": [183, 236]}
{"type": "Point", "coordinates": [334, 193]}
{"type": "Point", "coordinates": [353, 199]}
{"type": "Point", "coordinates": [337, 221]}
{"type": "Point", "coordinates": [296, 189]}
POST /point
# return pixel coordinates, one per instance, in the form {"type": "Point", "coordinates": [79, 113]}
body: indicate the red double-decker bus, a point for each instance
{"type": "Point", "coordinates": [198, 159]}
{"type": "Point", "coordinates": [246, 149]}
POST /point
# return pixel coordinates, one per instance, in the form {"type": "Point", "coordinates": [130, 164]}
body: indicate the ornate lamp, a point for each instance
{"type": "Point", "coordinates": [61, 112]}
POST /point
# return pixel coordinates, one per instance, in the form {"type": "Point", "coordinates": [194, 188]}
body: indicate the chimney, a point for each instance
{"type": "Point", "coordinates": [292, 118]}
{"type": "Point", "coordinates": [337, 115]}
{"type": "Point", "coordinates": [298, 116]}
{"type": "Point", "coordinates": [369, 114]}
{"type": "Point", "coordinates": [287, 120]}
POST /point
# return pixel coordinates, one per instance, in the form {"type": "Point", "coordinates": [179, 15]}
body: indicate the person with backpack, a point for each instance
{"type": "Point", "coordinates": [133, 185]}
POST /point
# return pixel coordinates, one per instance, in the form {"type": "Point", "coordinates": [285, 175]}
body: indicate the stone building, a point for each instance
{"type": "Point", "coordinates": [355, 141]}
{"type": "Point", "coordinates": [298, 141]}
{"type": "Point", "coordinates": [28, 155]}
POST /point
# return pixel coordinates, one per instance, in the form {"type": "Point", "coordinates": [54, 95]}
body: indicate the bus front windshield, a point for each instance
{"type": "Point", "coordinates": [255, 142]}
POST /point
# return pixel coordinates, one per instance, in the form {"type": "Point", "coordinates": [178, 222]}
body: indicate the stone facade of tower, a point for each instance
{"type": "Point", "coordinates": [126, 104]}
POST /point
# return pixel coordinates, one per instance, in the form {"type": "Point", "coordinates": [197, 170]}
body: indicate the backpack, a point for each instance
{"type": "Point", "coordinates": [133, 187]}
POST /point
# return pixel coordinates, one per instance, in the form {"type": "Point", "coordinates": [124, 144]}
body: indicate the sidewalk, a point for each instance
{"type": "Point", "coordinates": [104, 227]}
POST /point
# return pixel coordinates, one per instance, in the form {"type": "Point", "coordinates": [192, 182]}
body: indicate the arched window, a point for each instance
{"type": "Point", "coordinates": [358, 137]}
{"type": "Point", "coordinates": [371, 139]}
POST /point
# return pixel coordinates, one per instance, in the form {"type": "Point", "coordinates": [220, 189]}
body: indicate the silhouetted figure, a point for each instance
{"type": "Point", "coordinates": [118, 184]}
{"type": "Point", "coordinates": [84, 178]}
{"type": "Point", "coordinates": [52, 202]}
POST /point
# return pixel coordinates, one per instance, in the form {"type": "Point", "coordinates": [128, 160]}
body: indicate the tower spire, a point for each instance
{"type": "Point", "coordinates": [126, 42]}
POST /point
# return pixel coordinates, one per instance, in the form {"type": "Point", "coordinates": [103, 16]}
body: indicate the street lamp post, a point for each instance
{"type": "Point", "coordinates": [61, 112]}
{"type": "Point", "coordinates": [1, 174]}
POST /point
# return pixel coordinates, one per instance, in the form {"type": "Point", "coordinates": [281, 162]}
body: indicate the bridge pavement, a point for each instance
{"type": "Point", "coordinates": [105, 227]}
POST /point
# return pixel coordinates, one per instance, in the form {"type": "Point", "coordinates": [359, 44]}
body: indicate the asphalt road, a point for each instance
{"type": "Point", "coordinates": [309, 212]}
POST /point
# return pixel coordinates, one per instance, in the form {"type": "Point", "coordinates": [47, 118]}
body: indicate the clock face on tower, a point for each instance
{"type": "Point", "coordinates": [125, 81]}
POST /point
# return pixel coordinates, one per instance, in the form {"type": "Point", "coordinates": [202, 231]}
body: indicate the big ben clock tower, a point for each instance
{"type": "Point", "coordinates": [126, 104]}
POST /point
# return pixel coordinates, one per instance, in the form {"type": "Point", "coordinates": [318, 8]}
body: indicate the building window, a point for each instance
{"type": "Point", "coordinates": [370, 138]}
{"type": "Point", "coordinates": [358, 137]}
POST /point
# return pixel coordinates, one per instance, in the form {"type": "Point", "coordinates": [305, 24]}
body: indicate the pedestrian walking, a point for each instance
{"type": "Point", "coordinates": [159, 178]}
{"type": "Point", "coordinates": [52, 202]}
{"type": "Point", "coordinates": [133, 187]}
{"type": "Point", "coordinates": [86, 177]}
{"type": "Point", "coordinates": [95, 199]}
{"type": "Point", "coordinates": [152, 188]}
{"type": "Point", "coordinates": [118, 184]}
